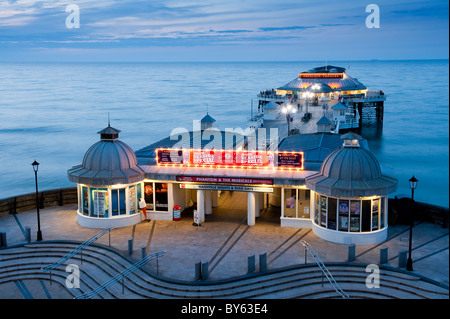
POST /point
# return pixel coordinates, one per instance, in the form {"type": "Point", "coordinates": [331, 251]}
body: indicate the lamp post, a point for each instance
{"type": "Point", "coordinates": [412, 184]}
{"type": "Point", "coordinates": [288, 110]}
{"type": "Point", "coordinates": [35, 169]}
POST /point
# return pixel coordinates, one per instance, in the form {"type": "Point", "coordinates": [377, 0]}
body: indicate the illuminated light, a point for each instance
{"type": "Point", "coordinates": [321, 75]}
{"type": "Point", "coordinates": [261, 163]}
{"type": "Point", "coordinates": [370, 197]}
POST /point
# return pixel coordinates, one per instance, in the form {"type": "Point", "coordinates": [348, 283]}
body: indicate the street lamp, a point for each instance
{"type": "Point", "coordinates": [412, 184]}
{"type": "Point", "coordinates": [35, 169]}
{"type": "Point", "coordinates": [288, 110]}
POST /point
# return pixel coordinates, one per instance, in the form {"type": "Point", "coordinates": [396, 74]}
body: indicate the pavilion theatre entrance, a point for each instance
{"type": "Point", "coordinates": [214, 201]}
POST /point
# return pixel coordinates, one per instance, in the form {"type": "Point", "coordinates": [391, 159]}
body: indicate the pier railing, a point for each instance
{"type": "Point", "coordinates": [324, 269]}
{"type": "Point", "coordinates": [47, 198]}
{"type": "Point", "coordinates": [121, 276]}
{"type": "Point", "coordinates": [78, 249]}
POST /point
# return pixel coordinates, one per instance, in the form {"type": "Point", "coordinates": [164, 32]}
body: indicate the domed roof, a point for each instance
{"type": "Point", "coordinates": [338, 83]}
{"type": "Point", "coordinates": [110, 156]}
{"type": "Point", "coordinates": [108, 162]}
{"type": "Point", "coordinates": [351, 171]}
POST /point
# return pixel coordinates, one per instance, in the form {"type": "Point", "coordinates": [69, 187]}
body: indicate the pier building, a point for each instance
{"type": "Point", "coordinates": [318, 92]}
{"type": "Point", "coordinates": [326, 182]}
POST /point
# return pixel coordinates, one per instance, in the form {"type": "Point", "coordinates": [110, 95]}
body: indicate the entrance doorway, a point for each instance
{"type": "Point", "coordinates": [233, 202]}
{"type": "Point", "coordinates": [233, 206]}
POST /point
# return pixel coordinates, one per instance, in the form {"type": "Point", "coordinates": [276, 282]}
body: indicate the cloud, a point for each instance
{"type": "Point", "coordinates": [286, 28]}
{"type": "Point", "coordinates": [16, 21]}
{"type": "Point", "coordinates": [282, 24]}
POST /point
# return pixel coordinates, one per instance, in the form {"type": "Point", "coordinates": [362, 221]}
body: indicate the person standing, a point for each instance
{"type": "Point", "coordinates": [143, 207]}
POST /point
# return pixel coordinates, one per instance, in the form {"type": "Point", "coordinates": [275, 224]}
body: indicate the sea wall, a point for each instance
{"type": "Point", "coordinates": [400, 212]}
{"type": "Point", "coordinates": [399, 209]}
{"type": "Point", "coordinates": [47, 198]}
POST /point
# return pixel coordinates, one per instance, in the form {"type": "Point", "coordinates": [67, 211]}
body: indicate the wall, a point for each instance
{"type": "Point", "coordinates": [21, 203]}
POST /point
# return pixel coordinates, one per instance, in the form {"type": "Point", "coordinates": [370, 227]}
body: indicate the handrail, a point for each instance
{"type": "Point", "coordinates": [77, 249]}
{"type": "Point", "coordinates": [324, 269]}
{"type": "Point", "coordinates": [120, 275]}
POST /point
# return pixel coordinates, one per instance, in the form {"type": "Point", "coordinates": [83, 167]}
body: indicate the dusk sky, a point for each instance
{"type": "Point", "coordinates": [213, 30]}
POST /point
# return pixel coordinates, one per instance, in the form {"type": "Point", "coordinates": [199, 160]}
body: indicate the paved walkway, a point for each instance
{"type": "Point", "coordinates": [186, 244]}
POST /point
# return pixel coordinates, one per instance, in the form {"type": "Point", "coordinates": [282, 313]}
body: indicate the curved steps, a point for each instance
{"type": "Point", "coordinates": [100, 264]}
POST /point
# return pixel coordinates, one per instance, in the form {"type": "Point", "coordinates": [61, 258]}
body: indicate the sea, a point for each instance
{"type": "Point", "coordinates": [51, 112]}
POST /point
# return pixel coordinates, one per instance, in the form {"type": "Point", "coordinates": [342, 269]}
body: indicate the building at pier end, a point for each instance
{"type": "Point", "coordinates": [326, 182]}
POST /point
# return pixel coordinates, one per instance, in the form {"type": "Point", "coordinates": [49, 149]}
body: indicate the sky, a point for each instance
{"type": "Point", "coordinates": [217, 30]}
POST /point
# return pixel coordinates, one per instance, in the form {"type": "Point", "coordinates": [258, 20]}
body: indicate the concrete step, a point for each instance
{"type": "Point", "coordinates": [101, 264]}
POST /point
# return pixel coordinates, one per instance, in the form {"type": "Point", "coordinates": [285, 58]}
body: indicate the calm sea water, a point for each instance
{"type": "Point", "coordinates": [51, 112]}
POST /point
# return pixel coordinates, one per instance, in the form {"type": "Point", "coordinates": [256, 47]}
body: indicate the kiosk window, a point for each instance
{"type": "Point", "coordinates": [343, 215]}
{"type": "Point", "coordinates": [161, 201]}
{"type": "Point", "coordinates": [366, 215]}
{"type": "Point", "coordinates": [332, 207]}
{"type": "Point", "coordinates": [148, 195]}
{"type": "Point", "coordinates": [290, 200]}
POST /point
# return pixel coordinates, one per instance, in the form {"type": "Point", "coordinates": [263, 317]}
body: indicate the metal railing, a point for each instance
{"type": "Point", "coordinates": [78, 249]}
{"type": "Point", "coordinates": [121, 276]}
{"type": "Point", "coordinates": [324, 269]}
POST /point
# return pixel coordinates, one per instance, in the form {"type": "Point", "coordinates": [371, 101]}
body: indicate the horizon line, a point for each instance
{"type": "Point", "coordinates": [229, 61]}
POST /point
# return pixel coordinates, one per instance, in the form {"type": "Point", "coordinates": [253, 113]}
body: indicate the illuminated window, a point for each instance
{"type": "Point", "coordinates": [323, 211]}
{"type": "Point", "coordinates": [350, 215]}
{"type": "Point", "coordinates": [161, 199]}
{"type": "Point", "coordinates": [99, 202]}
{"type": "Point", "coordinates": [156, 196]}
{"type": "Point", "coordinates": [343, 215]}
{"type": "Point", "coordinates": [290, 202]}
{"type": "Point", "coordinates": [296, 203]}
{"type": "Point", "coordinates": [85, 200]}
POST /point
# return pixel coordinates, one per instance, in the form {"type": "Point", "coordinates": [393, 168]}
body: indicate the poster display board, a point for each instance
{"type": "Point", "coordinates": [100, 202]}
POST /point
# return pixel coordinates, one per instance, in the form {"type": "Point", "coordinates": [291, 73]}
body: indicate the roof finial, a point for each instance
{"type": "Point", "coordinates": [207, 109]}
{"type": "Point", "coordinates": [109, 123]}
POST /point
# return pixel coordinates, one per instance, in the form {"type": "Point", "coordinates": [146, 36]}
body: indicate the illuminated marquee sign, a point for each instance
{"type": "Point", "coordinates": [238, 188]}
{"type": "Point", "coordinates": [321, 75]}
{"type": "Point", "coordinates": [224, 158]}
{"type": "Point", "coordinates": [225, 180]}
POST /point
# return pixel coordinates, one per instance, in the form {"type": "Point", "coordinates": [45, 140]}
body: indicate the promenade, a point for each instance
{"type": "Point", "coordinates": [226, 244]}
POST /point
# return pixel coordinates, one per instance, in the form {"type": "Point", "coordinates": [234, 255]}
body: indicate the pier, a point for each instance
{"type": "Point", "coordinates": [313, 95]}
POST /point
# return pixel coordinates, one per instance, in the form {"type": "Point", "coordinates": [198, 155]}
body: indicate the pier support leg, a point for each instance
{"type": "Point", "coordinates": [28, 234]}
{"type": "Point", "coordinates": [205, 270]}
{"type": "Point", "coordinates": [251, 264]}
{"type": "Point", "coordinates": [3, 241]}
{"type": "Point", "coordinates": [263, 262]}
{"type": "Point", "coordinates": [198, 271]}
{"type": "Point", "coordinates": [351, 252]}
{"type": "Point", "coordinates": [383, 255]}
{"type": "Point", "coordinates": [130, 246]}
{"type": "Point", "coordinates": [402, 257]}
